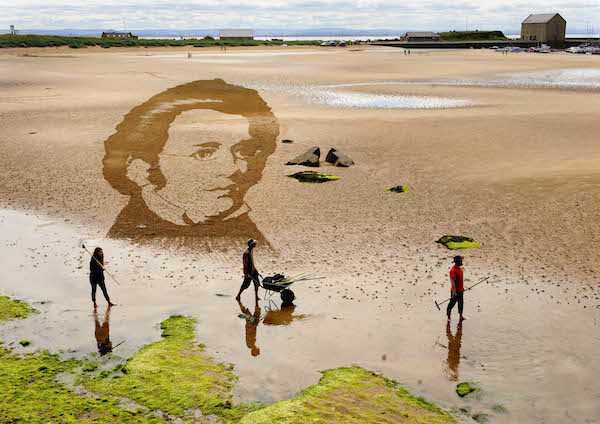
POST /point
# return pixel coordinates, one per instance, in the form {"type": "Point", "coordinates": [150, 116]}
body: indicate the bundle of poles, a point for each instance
{"type": "Point", "coordinates": [297, 278]}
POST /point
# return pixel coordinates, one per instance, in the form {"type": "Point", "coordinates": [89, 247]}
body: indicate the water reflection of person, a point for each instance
{"type": "Point", "coordinates": [454, 344]}
{"type": "Point", "coordinates": [189, 184]}
{"type": "Point", "coordinates": [283, 316]}
{"type": "Point", "coordinates": [252, 321]}
{"type": "Point", "coordinates": [102, 333]}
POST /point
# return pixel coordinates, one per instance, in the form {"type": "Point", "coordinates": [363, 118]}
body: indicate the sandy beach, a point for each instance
{"type": "Point", "coordinates": [171, 163]}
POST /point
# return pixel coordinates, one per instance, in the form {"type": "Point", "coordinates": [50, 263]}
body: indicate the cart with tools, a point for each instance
{"type": "Point", "coordinates": [278, 283]}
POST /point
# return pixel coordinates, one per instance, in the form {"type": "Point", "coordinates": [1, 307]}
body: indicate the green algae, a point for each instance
{"type": "Point", "coordinates": [30, 392]}
{"type": "Point", "coordinates": [499, 408]}
{"type": "Point", "coordinates": [25, 343]}
{"type": "Point", "coordinates": [352, 395]}
{"type": "Point", "coordinates": [458, 242]}
{"type": "Point", "coordinates": [466, 388]}
{"type": "Point", "coordinates": [175, 376]}
{"type": "Point", "coordinates": [13, 309]}
{"type": "Point", "coordinates": [481, 418]}
{"type": "Point", "coordinates": [313, 177]}
{"type": "Point", "coordinates": [399, 189]}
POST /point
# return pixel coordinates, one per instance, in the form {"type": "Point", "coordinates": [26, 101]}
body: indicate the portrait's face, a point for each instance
{"type": "Point", "coordinates": [187, 157]}
{"type": "Point", "coordinates": [204, 154]}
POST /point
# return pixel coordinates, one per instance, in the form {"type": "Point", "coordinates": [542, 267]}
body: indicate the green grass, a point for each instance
{"type": "Point", "coordinates": [351, 396]}
{"type": "Point", "coordinates": [13, 309]}
{"type": "Point", "coordinates": [473, 36]}
{"type": "Point", "coordinates": [8, 41]}
{"type": "Point", "coordinates": [176, 376]}
{"type": "Point", "coordinates": [313, 177]}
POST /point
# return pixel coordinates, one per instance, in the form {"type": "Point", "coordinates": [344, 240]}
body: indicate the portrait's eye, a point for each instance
{"type": "Point", "coordinates": [205, 152]}
{"type": "Point", "coordinates": [243, 152]}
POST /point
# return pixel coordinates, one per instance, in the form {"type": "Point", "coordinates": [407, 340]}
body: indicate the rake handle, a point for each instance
{"type": "Point", "coordinates": [101, 266]}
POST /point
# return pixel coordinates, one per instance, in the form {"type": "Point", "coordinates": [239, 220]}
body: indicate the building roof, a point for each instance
{"type": "Point", "coordinates": [236, 33]}
{"type": "Point", "coordinates": [422, 34]}
{"type": "Point", "coordinates": [541, 18]}
{"type": "Point", "coordinates": [117, 32]}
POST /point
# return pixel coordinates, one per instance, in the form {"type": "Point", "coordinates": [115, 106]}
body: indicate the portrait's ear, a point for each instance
{"type": "Point", "coordinates": [137, 171]}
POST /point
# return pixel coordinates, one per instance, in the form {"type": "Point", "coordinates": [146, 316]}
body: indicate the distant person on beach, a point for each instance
{"type": "Point", "coordinates": [250, 272]}
{"type": "Point", "coordinates": [458, 288]}
{"type": "Point", "coordinates": [97, 276]}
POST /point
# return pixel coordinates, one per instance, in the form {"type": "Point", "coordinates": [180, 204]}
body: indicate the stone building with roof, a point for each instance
{"type": "Point", "coordinates": [119, 35]}
{"type": "Point", "coordinates": [422, 36]}
{"type": "Point", "coordinates": [545, 28]}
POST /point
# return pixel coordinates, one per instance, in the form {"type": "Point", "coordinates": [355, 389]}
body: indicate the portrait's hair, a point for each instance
{"type": "Point", "coordinates": [144, 132]}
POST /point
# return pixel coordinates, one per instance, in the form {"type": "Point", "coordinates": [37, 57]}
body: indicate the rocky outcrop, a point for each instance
{"type": "Point", "coordinates": [337, 158]}
{"type": "Point", "coordinates": [309, 158]}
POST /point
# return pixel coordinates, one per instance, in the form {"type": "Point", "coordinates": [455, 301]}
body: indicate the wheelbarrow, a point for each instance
{"type": "Point", "coordinates": [278, 284]}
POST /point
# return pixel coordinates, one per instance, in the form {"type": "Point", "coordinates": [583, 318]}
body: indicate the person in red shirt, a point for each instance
{"type": "Point", "coordinates": [458, 288]}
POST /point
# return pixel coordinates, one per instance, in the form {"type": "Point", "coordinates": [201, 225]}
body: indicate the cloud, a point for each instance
{"type": "Point", "coordinates": [292, 14]}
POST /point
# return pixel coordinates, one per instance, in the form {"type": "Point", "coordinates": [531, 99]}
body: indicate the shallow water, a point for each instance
{"type": "Point", "coordinates": [387, 101]}
{"type": "Point", "coordinates": [532, 354]}
{"type": "Point", "coordinates": [582, 79]}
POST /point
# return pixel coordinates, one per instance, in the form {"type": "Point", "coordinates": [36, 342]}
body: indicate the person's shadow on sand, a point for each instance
{"type": "Point", "coordinates": [252, 321]}
{"type": "Point", "coordinates": [102, 333]}
{"type": "Point", "coordinates": [454, 344]}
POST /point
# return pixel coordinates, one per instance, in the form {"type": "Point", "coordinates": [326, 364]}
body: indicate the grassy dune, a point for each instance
{"type": "Point", "coordinates": [11, 41]}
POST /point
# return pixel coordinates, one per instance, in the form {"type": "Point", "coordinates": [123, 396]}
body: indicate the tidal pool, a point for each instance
{"type": "Point", "coordinates": [387, 101]}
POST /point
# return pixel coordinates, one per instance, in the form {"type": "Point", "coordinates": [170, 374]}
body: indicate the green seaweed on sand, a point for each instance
{"type": "Point", "coordinates": [352, 395]}
{"type": "Point", "coordinates": [481, 418]}
{"type": "Point", "coordinates": [399, 189]}
{"type": "Point", "coordinates": [466, 388]}
{"type": "Point", "coordinates": [313, 177]}
{"type": "Point", "coordinates": [458, 242]}
{"type": "Point", "coordinates": [30, 392]}
{"type": "Point", "coordinates": [176, 376]}
{"type": "Point", "coordinates": [25, 343]}
{"type": "Point", "coordinates": [14, 309]}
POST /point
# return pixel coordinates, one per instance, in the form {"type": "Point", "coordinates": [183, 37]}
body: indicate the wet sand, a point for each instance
{"type": "Point", "coordinates": [516, 169]}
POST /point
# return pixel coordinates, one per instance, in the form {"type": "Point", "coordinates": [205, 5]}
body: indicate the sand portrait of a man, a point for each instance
{"type": "Point", "coordinates": [186, 158]}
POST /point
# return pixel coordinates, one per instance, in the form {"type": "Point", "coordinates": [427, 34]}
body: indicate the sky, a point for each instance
{"type": "Point", "coordinates": [292, 14]}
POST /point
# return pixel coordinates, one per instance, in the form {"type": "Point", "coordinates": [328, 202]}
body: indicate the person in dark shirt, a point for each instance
{"type": "Point", "coordinates": [97, 276]}
{"type": "Point", "coordinates": [250, 272]}
{"type": "Point", "coordinates": [457, 289]}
